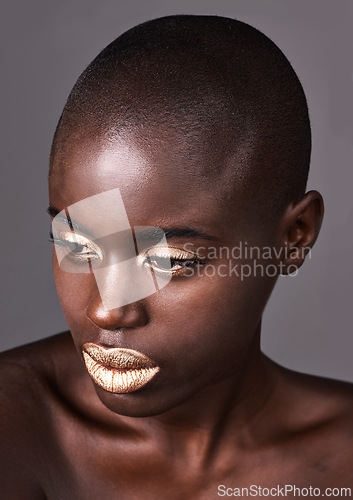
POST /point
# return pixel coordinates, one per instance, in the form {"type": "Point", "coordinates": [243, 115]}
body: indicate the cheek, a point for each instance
{"type": "Point", "coordinates": [209, 322]}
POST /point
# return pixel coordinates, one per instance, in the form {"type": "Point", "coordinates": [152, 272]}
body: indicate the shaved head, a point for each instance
{"type": "Point", "coordinates": [218, 84]}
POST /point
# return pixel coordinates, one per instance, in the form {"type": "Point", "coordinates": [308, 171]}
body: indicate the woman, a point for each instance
{"type": "Point", "coordinates": [177, 193]}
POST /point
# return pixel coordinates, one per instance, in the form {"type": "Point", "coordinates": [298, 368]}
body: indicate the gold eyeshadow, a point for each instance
{"type": "Point", "coordinates": [168, 259]}
{"type": "Point", "coordinates": [162, 259]}
{"type": "Point", "coordinates": [74, 241]}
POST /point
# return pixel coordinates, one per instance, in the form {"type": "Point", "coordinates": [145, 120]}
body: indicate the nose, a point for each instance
{"type": "Point", "coordinates": [116, 298]}
{"type": "Point", "coordinates": [127, 316]}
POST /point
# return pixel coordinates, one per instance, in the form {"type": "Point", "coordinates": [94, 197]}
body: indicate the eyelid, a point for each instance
{"type": "Point", "coordinates": [78, 239]}
{"type": "Point", "coordinates": [149, 258]}
{"type": "Point", "coordinates": [168, 252]}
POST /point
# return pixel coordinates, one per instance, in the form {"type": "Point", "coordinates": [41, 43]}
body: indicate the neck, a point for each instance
{"type": "Point", "coordinates": [238, 407]}
{"type": "Point", "coordinates": [238, 404]}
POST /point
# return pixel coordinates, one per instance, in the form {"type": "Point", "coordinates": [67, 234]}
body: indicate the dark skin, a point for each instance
{"type": "Point", "coordinates": [219, 411]}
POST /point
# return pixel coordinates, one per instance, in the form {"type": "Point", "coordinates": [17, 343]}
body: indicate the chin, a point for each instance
{"type": "Point", "coordinates": [145, 402]}
{"type": "Point", "coordinates": [139, 403]}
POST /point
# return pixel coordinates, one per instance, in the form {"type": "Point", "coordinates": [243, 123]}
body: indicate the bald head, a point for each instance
{"type": "Point", "coordinates": [217, 82]}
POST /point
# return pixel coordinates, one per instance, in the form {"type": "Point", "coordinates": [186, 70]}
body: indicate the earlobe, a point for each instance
{"type": "Point", "coordinates": [301, 228]}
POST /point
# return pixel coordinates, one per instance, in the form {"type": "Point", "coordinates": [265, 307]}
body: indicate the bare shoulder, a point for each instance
{"type": "Point", "coordinates": [319, 413]}
{"type": "Point", "coordinates": [29, 372]}
{"type": "Point", "coordinates": [25, 379]}
{"type": "Point", "coordinates": [26, 369]}
{"type": "Point", "coordinates": [333, 399]}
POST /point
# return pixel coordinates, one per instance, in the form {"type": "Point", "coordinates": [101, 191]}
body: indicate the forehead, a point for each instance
{"type": "Point", "coordinates": [163, 177]}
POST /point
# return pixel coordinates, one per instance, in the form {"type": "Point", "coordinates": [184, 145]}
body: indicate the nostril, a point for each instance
{"type": "Point", "coordinates": [127, 316]}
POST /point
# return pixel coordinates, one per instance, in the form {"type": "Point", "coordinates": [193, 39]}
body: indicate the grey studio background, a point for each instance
{"type": "Point", "coordinates": [46, 45]}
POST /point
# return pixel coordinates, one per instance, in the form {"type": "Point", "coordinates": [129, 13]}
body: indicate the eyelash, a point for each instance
{"type": "Point", "coordinates": [74, 245]}
{"type": "Point", "coordinates": [184, 259]}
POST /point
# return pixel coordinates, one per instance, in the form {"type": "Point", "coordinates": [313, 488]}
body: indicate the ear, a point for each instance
{"type": "Point", "coordinates": [299, 230]}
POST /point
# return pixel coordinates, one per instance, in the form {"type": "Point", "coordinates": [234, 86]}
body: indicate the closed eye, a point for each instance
{"type": "Point", "coordinates": [169, 260]}
{"type": "Point", "coordinates": [79, 248]}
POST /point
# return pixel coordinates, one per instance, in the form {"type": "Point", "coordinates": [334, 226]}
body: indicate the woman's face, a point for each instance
{"type": "Point", "coordinates": [201, 327]}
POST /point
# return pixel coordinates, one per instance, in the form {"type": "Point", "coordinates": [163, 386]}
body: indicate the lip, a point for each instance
{"type": "Point", "coordinates": [118, 370]}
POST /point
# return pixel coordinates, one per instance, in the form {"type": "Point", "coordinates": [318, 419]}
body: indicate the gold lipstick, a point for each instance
{"type": "Point", "coordinates": [117, 369]}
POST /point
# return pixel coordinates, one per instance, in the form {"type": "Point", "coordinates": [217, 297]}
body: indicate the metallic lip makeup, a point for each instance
{"type": "Point", "coordinates": [117, 369]}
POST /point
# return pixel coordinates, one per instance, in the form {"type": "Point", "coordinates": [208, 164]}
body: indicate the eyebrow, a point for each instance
{"type": "Point", "coordinates": [54, 212]}
{"type": "Point", "coordinates": [152, 233]}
